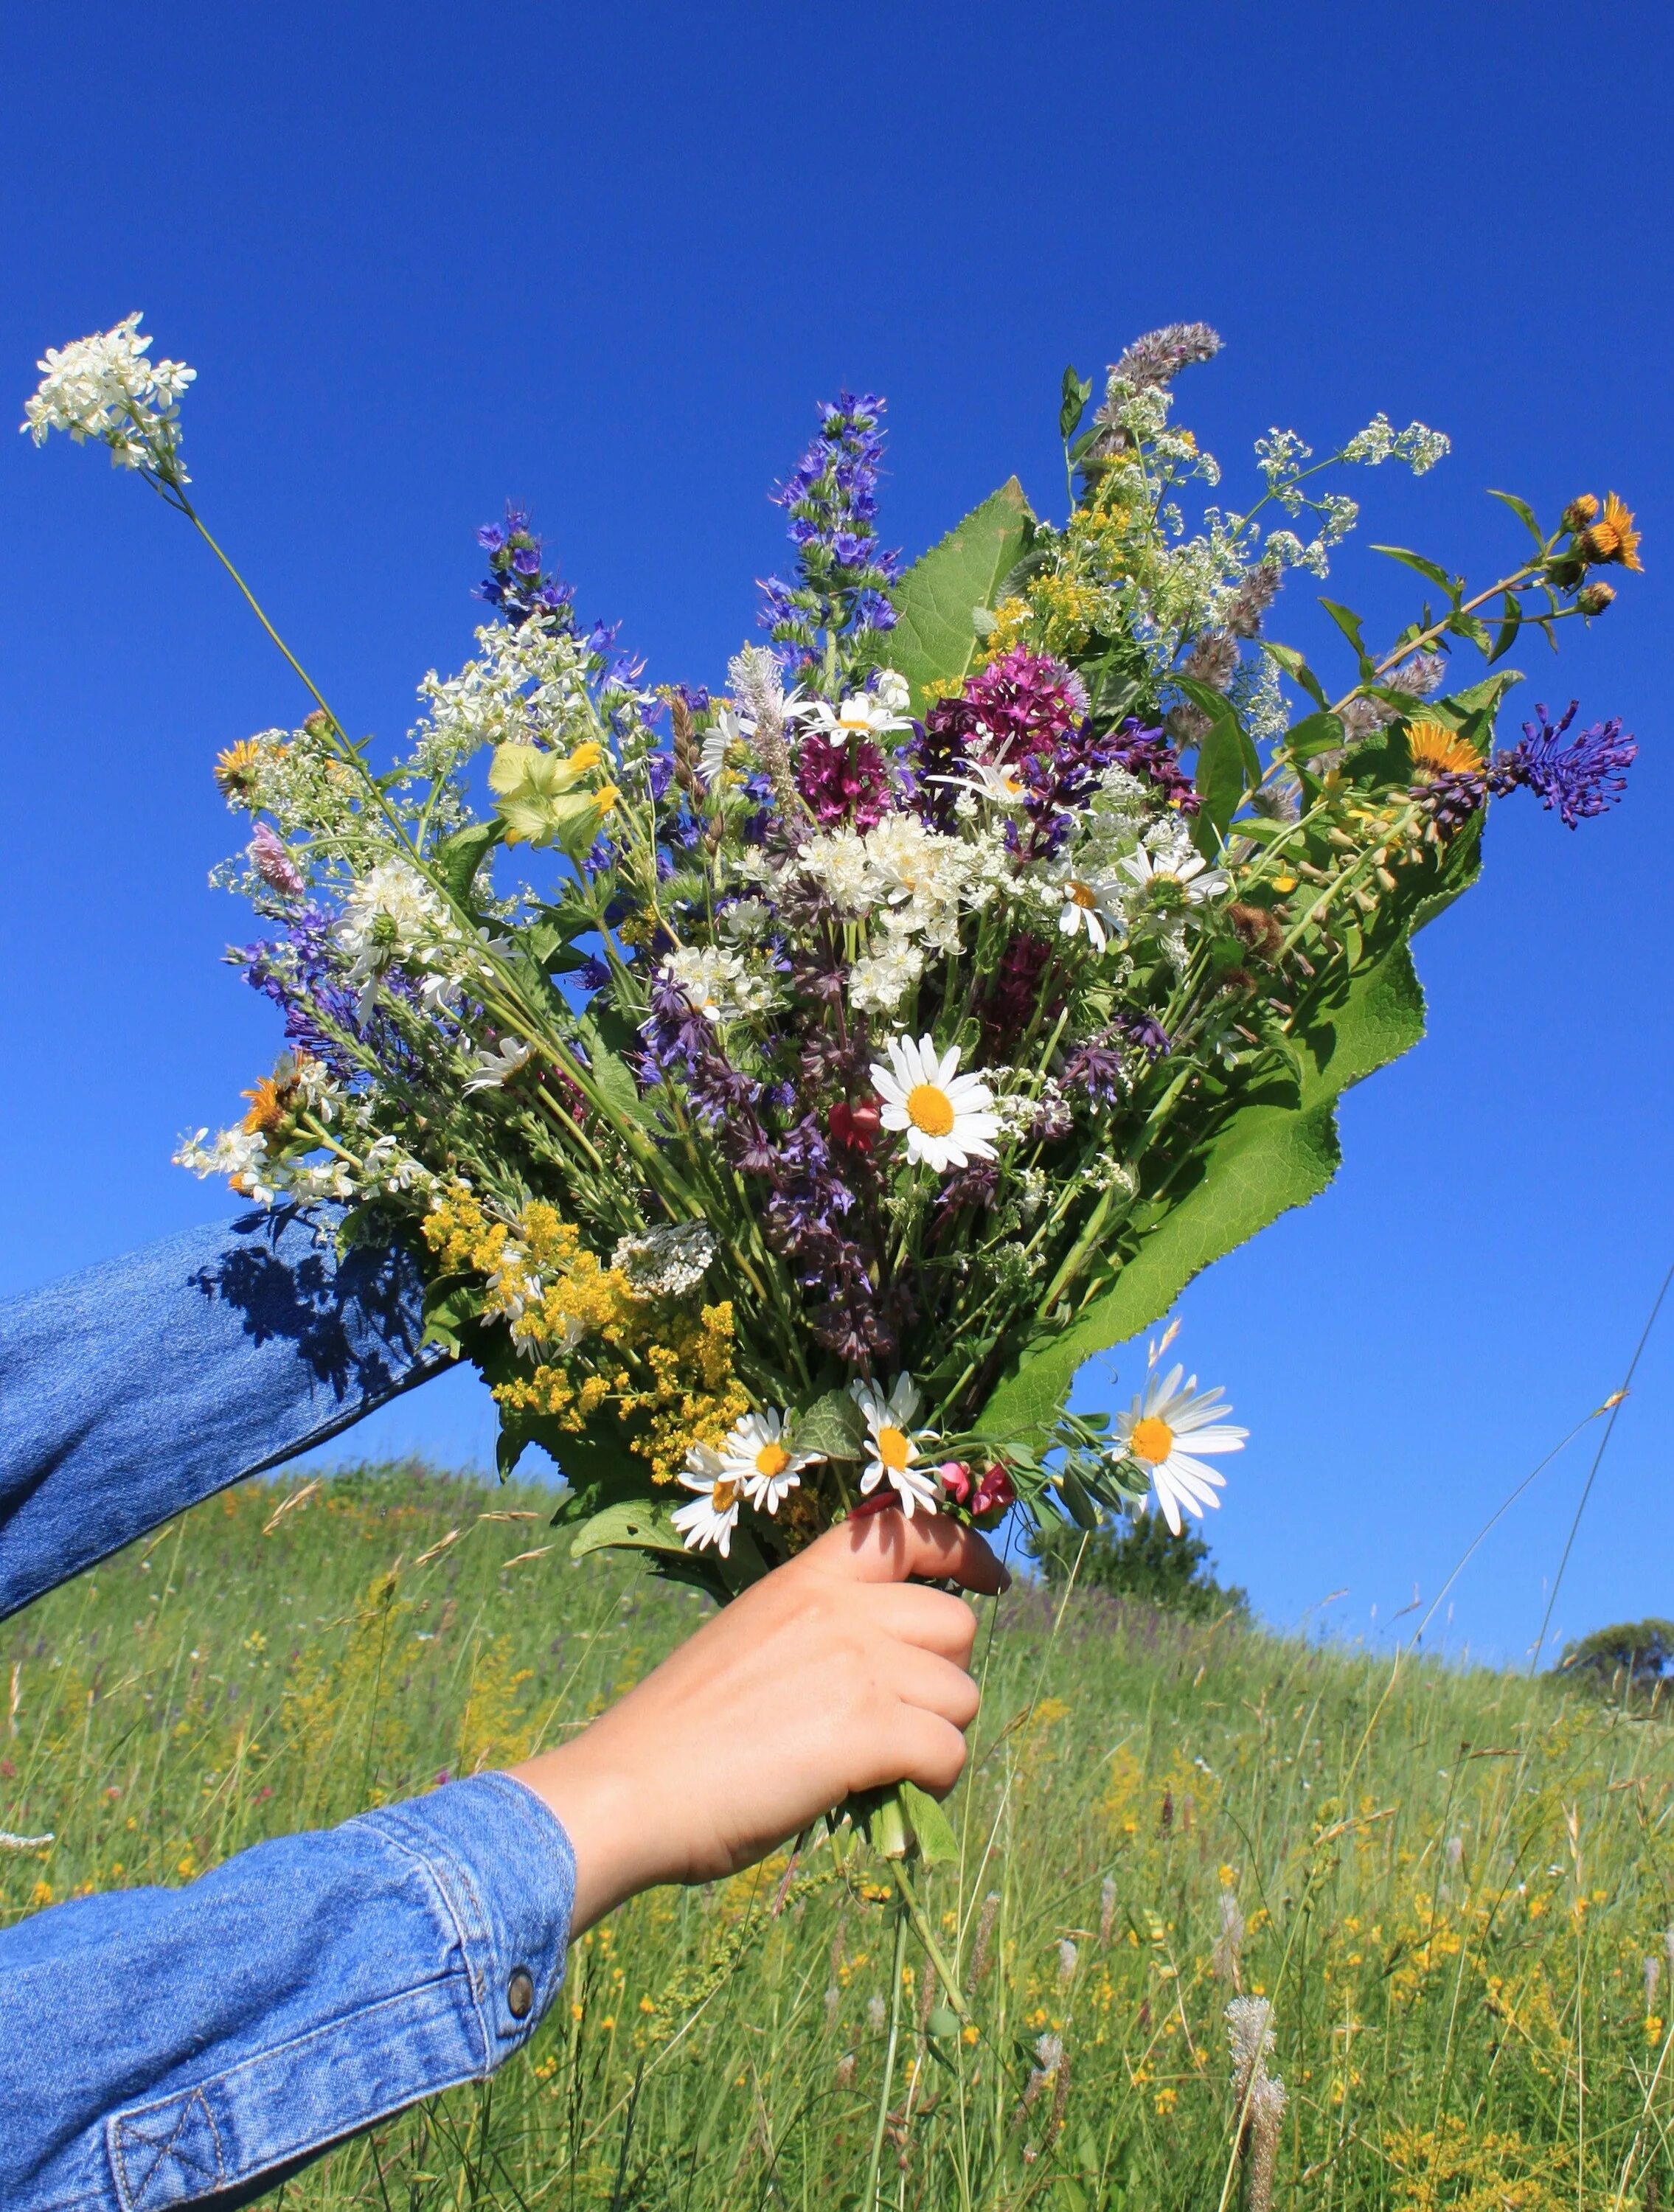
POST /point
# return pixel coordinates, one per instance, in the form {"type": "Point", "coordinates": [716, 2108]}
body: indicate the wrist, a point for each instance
{"type": "Point", "coordinates": [603, 1811]}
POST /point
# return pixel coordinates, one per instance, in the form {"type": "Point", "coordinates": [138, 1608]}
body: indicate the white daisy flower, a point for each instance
{"type": "Point", "coordinates": [1175, 878]}
{"type": "Point", "coordinates": [946, 1115]}
{"type": "Point", "coordinates": [1091, 903]}
{"type": "Point", "coordinates": [895, 1443]}
{"type": "Point", "coordinates": [712, 1516]}
{"type": "Point", "coordinates": [724, 754]}
{"type": "Point", "coordinates": [495, 1069]}
{"type": "Point", "coordinates": [862, 715]}
{"type": "Point", "coordinates": [995, 779]}
{"type": "Point", "coordinates": [753, 1457]}
{"type": "Point", "coordinates": [1164, 1414]}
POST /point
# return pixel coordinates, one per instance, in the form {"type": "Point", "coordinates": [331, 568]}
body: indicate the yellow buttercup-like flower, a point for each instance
{"type": "Point", "coordinates": [1437, 750]}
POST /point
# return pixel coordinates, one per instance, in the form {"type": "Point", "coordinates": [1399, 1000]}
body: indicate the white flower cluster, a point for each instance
{"type": "Point", "coordinates": [527, 686]}
{"type": "Point", "coordinates": [103, 387]}
{"type": "Point", "coordinates": [1418, 446]}
{"type": "Point", "coordinates": [666, 1262]}
{"type": "Point", "coordinates": [718, 984]}
{"type": "Point", "coordinates": [392, 918]}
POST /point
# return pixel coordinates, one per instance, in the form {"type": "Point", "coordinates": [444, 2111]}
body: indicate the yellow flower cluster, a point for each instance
{"type": "Point", "coordinates": [561, 1299]}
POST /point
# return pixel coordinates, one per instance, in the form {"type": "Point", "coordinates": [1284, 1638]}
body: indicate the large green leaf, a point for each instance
{"type": "Point", "coordinates": [936, 602]}
{"type": "Point", "coordinates": [1268, 1158]}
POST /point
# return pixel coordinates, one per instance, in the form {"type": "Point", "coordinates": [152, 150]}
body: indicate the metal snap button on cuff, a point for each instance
{"type": "Point", "coordinates": [520, 1994]}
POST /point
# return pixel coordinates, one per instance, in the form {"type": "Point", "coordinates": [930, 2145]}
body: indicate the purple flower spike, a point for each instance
{"type": "Point", "coordinates": [1582, 779]}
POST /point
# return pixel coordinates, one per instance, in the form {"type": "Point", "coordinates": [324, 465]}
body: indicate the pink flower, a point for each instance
{"type": "Point", "coordinates": [273, 865]}
{"type": "Point", "coordinates": [994, 1491]}
{"type": "Point", "coordinates": [955, 1479]}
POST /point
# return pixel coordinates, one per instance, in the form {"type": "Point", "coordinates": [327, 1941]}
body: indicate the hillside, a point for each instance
{"type": "Point", "coordinates": [1453, 1887]}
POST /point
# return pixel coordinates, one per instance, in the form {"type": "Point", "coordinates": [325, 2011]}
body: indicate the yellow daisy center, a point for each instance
{"type": "Point", "coordinates": [894, 1448]}
{"type": "Point", "coordinates": [1438, 750]}
{"type": "Point", "coordinates": [1152, 1440]}
{"type": "Point", "coordinates": [931, 1108]}
{"type": "Point", "coordinates": [1082, 894]}
{"type": "Point", "coordinates": [771, 1459]}
{"type": "Point", "coordinates": [723, 1496]}
{"type": "Point", "coordinates": [853, 718]}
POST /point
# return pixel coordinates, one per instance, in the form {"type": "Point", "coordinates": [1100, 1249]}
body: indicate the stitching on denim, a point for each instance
{"type": "Point", "coordinates": [388, 1827]}
{"type": "Point", "coordinates": [125, 2136]}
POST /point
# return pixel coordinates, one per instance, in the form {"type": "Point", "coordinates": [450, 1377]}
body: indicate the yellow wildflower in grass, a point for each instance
{"type": "Point", "coordinates": [1470, 2170]}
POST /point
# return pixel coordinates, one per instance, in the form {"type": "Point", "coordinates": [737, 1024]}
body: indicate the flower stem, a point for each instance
{"type": "Point", "coordinates": [869, 2200]}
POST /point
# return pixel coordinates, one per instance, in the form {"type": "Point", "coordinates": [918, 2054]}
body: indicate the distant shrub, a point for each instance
{"type": "Point", "coordinates": [1139, 1556]}
{"type": "Point", "coordinates": [1639, 1653]}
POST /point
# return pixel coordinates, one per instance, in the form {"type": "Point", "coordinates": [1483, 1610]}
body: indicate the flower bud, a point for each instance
{"type": "Point", "coordinates": [1593, 598]}
{"type": "Point", "coordinates": [1579, 513]}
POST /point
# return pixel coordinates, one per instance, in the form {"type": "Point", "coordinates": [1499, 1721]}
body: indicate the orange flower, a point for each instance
{"type": "Point", "coordinates": [235, 768]}
{"type": "Point", "coordinates": [1437, 750]}
{"type": "Point", "coordinates": [1613, 537]}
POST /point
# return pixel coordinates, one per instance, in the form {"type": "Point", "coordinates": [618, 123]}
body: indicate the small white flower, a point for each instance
{"type": "Point", "coordinates": [993, 779]}
{"type": "Point", "coordinates": [891, 690]}
{"type": "Point", "coordinates": [496, 1068]}
{"type": "Point", "coordinates": [862, 715]}
{"type": "Point", "coordinates": [712, 1516]}
{"type": "Point", "coordinates": [895, 1443]}
{"type": "Point", "coordinates": [723, 758]}
{"type": "Point", "coordinates": [667, 1261]}
{"type": "Point", "coordinates": [104, 387]}
{"type": "Point", "coordinates": [1151, 1431]}
{"type": "Point", "coordinates": [1091, 903]}
{"type": "Point", "coordinates": [1176, 877]}
{"type": "Point", "coordinates": [879, 981]}
{"type": "Point", "coordinates": [717, 984]}
{"type": "Point", "coordinates": [946, 1115]}
{"type": "Point", "coordinates": [753, 1457]}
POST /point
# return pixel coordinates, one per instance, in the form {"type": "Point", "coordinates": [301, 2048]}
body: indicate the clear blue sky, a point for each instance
{"type": "Point", "coordinates": [605, 260]}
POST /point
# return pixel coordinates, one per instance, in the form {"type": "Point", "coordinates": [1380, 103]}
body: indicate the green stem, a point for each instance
{"type": "Point", "coordinates": [870, 2201]}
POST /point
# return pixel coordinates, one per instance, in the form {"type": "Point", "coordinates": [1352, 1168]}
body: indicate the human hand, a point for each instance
{"type": "Point", "coordinates": [831, 1675]}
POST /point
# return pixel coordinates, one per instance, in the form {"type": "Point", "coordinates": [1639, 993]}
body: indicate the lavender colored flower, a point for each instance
{"type": "Point", "coordinates": [1147, 1032]}
{"type": "Point", "coordinates": [516, 583]}
{"type": "Point", "coordinates": [1147, 753]}
{"type": "Point", "coordinates": [1096, 1067]}
{"type": "Point", "coordinates": [831, 499]}
{"type": "Point", "coordinates": [1582, 779]}
{"type": "Point", "coordinates": [1025, 710]}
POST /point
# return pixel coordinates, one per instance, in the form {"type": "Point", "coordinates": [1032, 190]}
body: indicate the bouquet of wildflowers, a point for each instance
{"type": "Point", "coordinates": [786, 1087]}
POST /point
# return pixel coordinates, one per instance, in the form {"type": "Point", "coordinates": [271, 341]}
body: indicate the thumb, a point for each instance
{"type": "Point", "coordinates": [889, 1547]}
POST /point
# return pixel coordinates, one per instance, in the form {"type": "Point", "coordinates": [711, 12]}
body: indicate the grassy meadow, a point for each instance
{"type": "Point", "coordinates": [1453, 1887]}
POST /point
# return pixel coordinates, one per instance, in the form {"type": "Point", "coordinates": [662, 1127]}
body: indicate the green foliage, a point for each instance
{"type": "Point", "coordinates": [1139, 1556]}
{"type": "Point", "coordinates": [1468, 1868]}
{"type": "Point", "coordinates": [938, 599]}
{"type": "Point", "coordinates": [1634, 1655]}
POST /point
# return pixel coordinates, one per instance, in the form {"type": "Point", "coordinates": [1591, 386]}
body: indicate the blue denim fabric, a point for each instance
{"type": "Point", "coordinates": [139, 1387]}
{"type": "Point", "coordinates": [161, 2045]}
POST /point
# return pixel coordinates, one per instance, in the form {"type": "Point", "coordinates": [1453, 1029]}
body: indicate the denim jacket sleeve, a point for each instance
{"type": "Point", "coordinates": [131, 1391]}
{"type": "Point", "coordinates": [161, 2047]}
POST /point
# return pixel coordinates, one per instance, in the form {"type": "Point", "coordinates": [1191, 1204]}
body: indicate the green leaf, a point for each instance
{"type": "Point", "coordinates": [1427, 570]}
{"type": "Point", "coordinates": [1349, 623]}
{"type": "Point", "coordinates": [631, 1525]}
{"type": "Point", "coordinates": [1076, 1503]}
{"type": "Point", "coordinates": [1076, 393]}
{"type": "Point", "coordinates": [1271, 1154]}
{"type": "Point", "coordinates": [1227, 765]}
{"type": "Point", "coordinates": [937, 1844]}
{"type": "Point", "coordinates": [834, 1426]}
{"type": "Point", "coordinates": [1509, 629]}
{"type": "Point", "coordinates": [461, 856]}
{"type": "Point", "coordinates": [1297, 669]}
{"type": "Point", "coordinates": [453, 1306]}
{"type": "Point", "coordinates": [615, 1084]}
{"type": "Point", "coordinates": [1315, 733]}
{"type": "Point", "coordinates": [935, 639]}
{"type": "Point", "coordinates": [1525, 513]}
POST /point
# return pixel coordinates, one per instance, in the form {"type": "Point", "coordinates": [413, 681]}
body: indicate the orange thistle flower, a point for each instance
{"type": "Point", "coordinates": [1437, 750]}
{"type": "Point", "coordinates": [1612, 536]}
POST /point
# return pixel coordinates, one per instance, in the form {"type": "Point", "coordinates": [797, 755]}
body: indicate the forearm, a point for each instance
{"type": "Point", "coordinates": [159, 2045]}
{"type": "Point", "coordinates": [140, 1387]}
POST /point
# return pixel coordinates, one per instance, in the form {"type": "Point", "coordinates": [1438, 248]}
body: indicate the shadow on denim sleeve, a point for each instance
{"type": "Point", "coordinates": [355, 1321]}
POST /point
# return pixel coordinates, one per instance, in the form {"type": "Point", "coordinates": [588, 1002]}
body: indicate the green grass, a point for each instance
{"type": "Point", "coordinates": [1450, 1884]}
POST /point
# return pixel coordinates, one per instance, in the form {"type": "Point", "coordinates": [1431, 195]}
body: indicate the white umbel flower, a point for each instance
{"type": "Point", "coordinates": [1090, 903]}
{"type": "Point", "coordinates": [753, 1457]}
{"type": "Point", "coordinates": [946, 1115]}
{"type": "Point", "coordinates": [894, 1443]}
{"type": "Point", "coordinates": [712, 1516]}
{"type": "Point", "coordinates": [104, 387]}
{"type": "Point", "coordinates": [1166, 1414]}
{"type": "Point", "coordinates": [1182, 878]}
